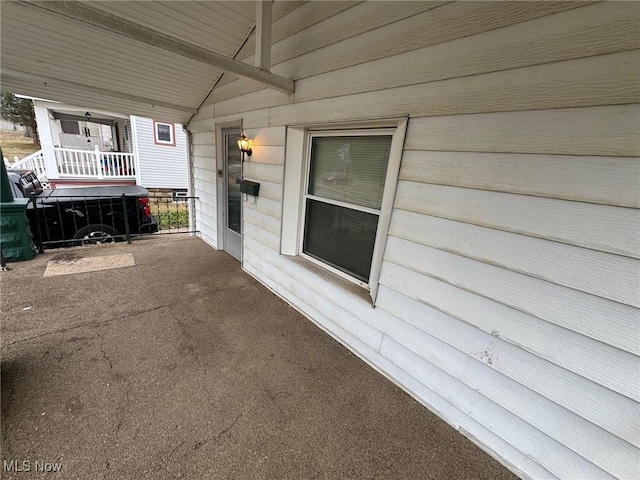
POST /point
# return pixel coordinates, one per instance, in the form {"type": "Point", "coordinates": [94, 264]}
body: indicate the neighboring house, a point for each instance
{"type": "Point", "coordinates": [451, 191]}
{"type": "Point", "coordinates": [146, 151]}
{"type": "Point", "coordinates": [161, 149]}
{"type": "Point", "coordinates": [7, 125]}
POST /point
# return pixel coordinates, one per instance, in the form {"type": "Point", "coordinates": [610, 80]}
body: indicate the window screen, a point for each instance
{"type": "Point", "coordinates": [344, 196]}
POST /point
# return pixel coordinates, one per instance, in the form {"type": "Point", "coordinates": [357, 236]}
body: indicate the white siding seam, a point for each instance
{"type": "Point", "coordinates": [523, 174]}
{"type": "Point", "coordinates": [562, 358]}
{"type": "Point", "coordinates": [522, 272]}
{"type": "Point", "coordinates": [381, 342]}
{"type": "Point", "coordinates": [410, 115]}
{"type": "Point", "coordinates": [558, 422]}
{"type": "Point", "coordinates": [509, 152]}
{"type": "Point", "coordinates": [587, 314]}
{"type": "Point", "coordinates": [529, 234]}
{"type": "Point", "coordinates": [409, 47]}
{"type": "Point", "coordinates": [384, 88]}
{"type": "Point", "coordinates": [610, 290]}
{"type": "Point", "coordinates": [462, 114]}
{"type": "Point", "coordinates": [341, 39]}
{"type": "Point", "coordinates": [603, 405]}
{"type": "Point", "coordinates": [524, 194]}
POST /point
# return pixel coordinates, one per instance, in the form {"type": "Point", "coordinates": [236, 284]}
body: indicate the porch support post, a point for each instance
{"type": "Point", "coordinates": [46, 142]}
{"type": "Point", "coordinates": [263, 34]}
{"type": "Point", "coordinates": [98, 163]}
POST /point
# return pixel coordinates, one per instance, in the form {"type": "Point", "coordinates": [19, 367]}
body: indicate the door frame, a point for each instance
{"type": "Point", "coordinates": [221, 187]}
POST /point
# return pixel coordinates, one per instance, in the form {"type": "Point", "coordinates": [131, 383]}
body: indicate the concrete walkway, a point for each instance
{"type": "Point", "coordinates": [183, 366]}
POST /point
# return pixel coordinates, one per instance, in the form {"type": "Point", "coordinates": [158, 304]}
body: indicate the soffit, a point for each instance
{"type": "Point", "coordinates": [50, 56]}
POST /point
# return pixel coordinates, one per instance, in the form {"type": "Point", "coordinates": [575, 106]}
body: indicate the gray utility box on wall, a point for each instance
{"type": "Point", "coordinates": [249, 187]}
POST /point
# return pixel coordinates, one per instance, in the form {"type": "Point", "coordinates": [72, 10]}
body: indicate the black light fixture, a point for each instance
{"type": "Point", "coordinates": [88, 116]}
{"type": "Point", "coordinates": [244, 145]}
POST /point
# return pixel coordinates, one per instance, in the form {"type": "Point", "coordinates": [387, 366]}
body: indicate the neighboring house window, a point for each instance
{"type": "Point", "coordinates": [345, 184]}
{"type": "Point", "coordinates": [164, 133]}
{"type": "Point", "coordinates": [70, 126]}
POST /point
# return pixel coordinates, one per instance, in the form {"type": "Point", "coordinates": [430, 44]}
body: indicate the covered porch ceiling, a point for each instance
{"type": "Point", "coordinates": [153, 59]}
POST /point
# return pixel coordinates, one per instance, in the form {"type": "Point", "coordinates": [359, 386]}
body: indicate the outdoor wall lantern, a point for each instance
{"type": "Point", "coordinates": [244, 145]}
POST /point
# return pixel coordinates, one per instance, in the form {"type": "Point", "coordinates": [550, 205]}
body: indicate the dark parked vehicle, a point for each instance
{"type": "Point", "coordinates": [71, 216]}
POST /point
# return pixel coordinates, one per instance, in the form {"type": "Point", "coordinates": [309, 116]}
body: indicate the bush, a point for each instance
{"type": "Point", "coordinates": [172, 219]}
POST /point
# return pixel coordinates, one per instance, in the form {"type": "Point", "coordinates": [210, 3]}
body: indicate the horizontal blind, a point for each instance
{"type": "Point", "coordinates": [340, 237]}
{"type": "Point", "coordinates": [350, 169]}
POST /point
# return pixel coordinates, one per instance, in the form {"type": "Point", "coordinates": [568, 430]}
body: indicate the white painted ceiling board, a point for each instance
{"type": "Point", "coordinates": [72, 54]}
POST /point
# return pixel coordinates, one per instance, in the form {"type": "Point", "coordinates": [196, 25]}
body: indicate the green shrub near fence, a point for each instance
{"type": "Point", "coordinates": [172, 219]}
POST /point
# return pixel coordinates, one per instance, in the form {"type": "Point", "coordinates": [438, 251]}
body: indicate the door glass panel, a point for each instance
{"type": "Point", "coordinates": [234, 176]}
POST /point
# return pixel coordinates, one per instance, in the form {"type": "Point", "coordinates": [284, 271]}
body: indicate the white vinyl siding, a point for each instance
{"type": "Point", "coordinates": [161, 166]}
{"type": "Point", "coordinates": [203, 154]}
{"type": "Point", "coordinates": [510, 285]}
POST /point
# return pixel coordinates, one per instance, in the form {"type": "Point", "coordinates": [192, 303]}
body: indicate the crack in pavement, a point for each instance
{"type": "Point", "coordinates": [104, 353]}
{"type": "Point", "coordinates": [103, 322]}
{"type": "Point", "coordinates": [173, 451]}
{"type": "Point", "coordinates": [121, 409]}
{"type": "Point", "coordinates": [228, 429]}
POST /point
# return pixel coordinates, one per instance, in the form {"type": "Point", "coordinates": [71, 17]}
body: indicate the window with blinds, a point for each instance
{"type": "Point", "coordinates": [343, 198]}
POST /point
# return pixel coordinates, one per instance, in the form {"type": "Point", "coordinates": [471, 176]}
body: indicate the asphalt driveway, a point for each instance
{"type": "Point", "coordinates": [182, 366]}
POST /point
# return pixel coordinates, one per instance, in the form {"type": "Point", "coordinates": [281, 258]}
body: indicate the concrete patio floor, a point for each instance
{"type": "Point", "coordinates": [183, 366]}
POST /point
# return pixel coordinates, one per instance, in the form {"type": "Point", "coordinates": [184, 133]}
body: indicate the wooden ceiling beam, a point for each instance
{"type": "Point", "coordinates": [263, 34]}
{"type": "Point", "coordinates": [87, 14]}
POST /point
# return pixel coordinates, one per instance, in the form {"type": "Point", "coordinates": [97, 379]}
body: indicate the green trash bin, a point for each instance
{"type": "Point", "coordinates": [16, 241]}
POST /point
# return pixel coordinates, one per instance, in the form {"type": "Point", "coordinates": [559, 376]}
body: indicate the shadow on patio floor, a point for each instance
{"type": "Point", "coordinates": [183, 366]}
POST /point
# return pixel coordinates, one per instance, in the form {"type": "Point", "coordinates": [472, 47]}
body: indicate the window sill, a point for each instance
{"type": "Point", "coordinates": [352, 289]}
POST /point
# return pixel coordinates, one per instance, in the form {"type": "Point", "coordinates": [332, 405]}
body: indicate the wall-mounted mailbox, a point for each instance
{"type": "Point", "coordinates": [249, 187]}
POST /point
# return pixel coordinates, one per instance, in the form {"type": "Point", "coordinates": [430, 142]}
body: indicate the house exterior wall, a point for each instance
{"type": "Point", "coordinates": [509, 290]}
{"type": "Point", "coordinates": [161, 166]}
{"type": "Point", "coordinates": [204, 182]}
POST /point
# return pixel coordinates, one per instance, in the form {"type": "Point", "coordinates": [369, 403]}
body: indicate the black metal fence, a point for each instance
{"type": "Point", "coordinates": [172, 212]}
{"type": "Point", "coordinates": [65, 220]}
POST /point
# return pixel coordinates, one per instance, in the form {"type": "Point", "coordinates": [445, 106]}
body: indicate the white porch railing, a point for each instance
{"type": "Point", "coordinates": [87, 164]}
{"type": "Point", "coordinates": [34, 162]}
{"type": "Point", "coordinates": [96, 164]}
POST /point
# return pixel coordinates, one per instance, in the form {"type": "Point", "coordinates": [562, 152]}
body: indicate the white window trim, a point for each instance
{"type": "Point", "coordinates": [172, 130]}
{"type": "Point", "coordinates": [297, 157]}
